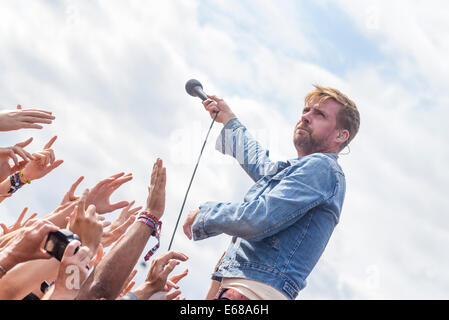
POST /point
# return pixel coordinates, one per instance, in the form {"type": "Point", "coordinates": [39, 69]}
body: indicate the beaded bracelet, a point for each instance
{"type": "Point", "coordinates": [16, 181]}
{"type": "Point", "coordinates": [153, 222]}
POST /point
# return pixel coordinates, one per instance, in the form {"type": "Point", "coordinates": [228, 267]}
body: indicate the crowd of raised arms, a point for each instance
{"type": "Point", "coordinates": [74, 252]}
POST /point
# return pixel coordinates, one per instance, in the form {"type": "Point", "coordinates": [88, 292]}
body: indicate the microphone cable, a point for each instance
{"type": "Point", "coordinates": [191, 180]}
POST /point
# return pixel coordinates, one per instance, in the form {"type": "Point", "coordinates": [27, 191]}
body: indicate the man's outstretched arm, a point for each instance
{"type": "Point", "coordinates": [236, 141]}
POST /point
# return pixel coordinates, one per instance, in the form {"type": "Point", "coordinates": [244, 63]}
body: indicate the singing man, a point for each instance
{"type": "Point", "coordinates": [282, 227]}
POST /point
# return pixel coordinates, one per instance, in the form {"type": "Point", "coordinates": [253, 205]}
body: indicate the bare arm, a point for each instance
{"type": "Point", "coordinates": [24, 118]}
{"type": "Point", "coordinates": [26, 277]}
{"type": "Point", "coordinates": [33, 167]}
{"type": "Point", "coordinates": [108, 277]}
{"type": "Point", "coordinates": [23, 245]}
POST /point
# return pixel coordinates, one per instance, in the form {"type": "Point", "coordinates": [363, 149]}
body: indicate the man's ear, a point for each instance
{"type": "Point", "coordinates": [343, 135]}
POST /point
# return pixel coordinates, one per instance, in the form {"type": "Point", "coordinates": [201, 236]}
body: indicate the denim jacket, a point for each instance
{"type": "Point", "coordinates": [286, 219]}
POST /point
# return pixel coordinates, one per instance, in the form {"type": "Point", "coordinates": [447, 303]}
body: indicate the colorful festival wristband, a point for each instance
{"type": "Point", "coordinates": [151, 221]}
{"type": "Point", "coordinates": [16, 180]}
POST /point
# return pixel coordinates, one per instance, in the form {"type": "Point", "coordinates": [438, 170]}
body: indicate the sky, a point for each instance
{"type": "Point", "coordinates": [113, 73]}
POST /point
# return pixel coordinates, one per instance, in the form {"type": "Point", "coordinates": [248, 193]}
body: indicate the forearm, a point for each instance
{"type": "Point", "coordinates": [244, 220]}
{"type": "Point", "coordinates": [5, 185]}
{"type": "Point", "coordinates": [26, 277]}
{"type": "Point", "coordinates": [236, 141]}
{"type": "Point", "coordinates": [109, 275]}
{"type": "Point", "coordinates": [255, 220]}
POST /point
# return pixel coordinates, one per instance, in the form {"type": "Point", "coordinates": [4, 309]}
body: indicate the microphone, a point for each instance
{"type": "Point", "coordinates": [195, 89]}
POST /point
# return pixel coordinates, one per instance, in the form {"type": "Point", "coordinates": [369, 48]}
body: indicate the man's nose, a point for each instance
{"type": "Point", "coordinates": [305, 118]}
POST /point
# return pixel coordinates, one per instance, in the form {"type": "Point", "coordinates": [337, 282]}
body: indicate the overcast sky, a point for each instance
{"type": "Point", "coordinates": [113, 73]}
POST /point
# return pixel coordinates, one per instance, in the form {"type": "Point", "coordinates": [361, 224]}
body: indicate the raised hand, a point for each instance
{"type": "Point", "coordinates": [188, 223]}
{"type": "Point", "coordinates": [86, 224]}
{"type": "Point", "coordinates": [43, 163]}
{"type": "Point", "coordinates": [156, 190]}
{"type": "Point", "coordinates": [112, 235]}
{"type": "Point", "coordinates": [214, 105]}
{"type": "Point", "coordinates": [100, 194]}
{"type": "Point", "coordinates": [24, 118]}
{"type": "Point", "coordinates": [27, 242]}
{"type": "Point", "coordinates": [18, 224]}
{"type": "Point", "coordinates": [173, 280]}
{"type": "Point", "coordinates": [70, 195]}
{"type": "Point", "coordinates": [72, 272]}
{"type": "Point", "coordinates": [12, 153]}
{"type": "Point", "coordinates": [160, 268]}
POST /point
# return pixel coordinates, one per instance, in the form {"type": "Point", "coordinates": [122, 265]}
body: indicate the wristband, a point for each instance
{"type": "Point", "coordinates": [23, 178]}
{"type": "Point", "coordinates": [153, 222]}
{"type": "Point", "coordinates": [16, 182]}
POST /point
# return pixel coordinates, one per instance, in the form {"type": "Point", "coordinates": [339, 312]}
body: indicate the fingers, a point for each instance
{"type": "Point", "coordinates": [98, 256]}
{"type": "Point", "coordinates": [119, 181]}
{"type": "Point", "coordinates": [83, 254]}
{"type": "Point", "coordinates": [71, 247]}
{"type": "Point", "coordinates": [128, 288]}
{"type": "Point", "coordinates": [162, 179]}
{"type": "Point", "coordinates": [4, 227]}
{"type": "Point", "coordinates": [187, 227]}
{"type": "Point", "coordinates": [55, 164]}
{"type": "Point", "coordinates": [39, 111]}
{"type": "Point", "coordinates": [172, 255]}
{"type": "Point", "coordinates": [119, 205]}
{"type": "Point", "coordinates": [173, 295]}
{"type": "Point", "coordinates": [25, 143]}
{"type": "Point", "coordinates": [26, 125]}
{"type": "Point", "coordinates": [34, 215]}
{"type": "Point", "coordinates": [50, 143]}
{"type": "Point", "coordinates": [117, 175]}
{"type": "Point", "coordinates": [19, 220]}
{"type": "Point", "coordinates": [90, 212]}
{"type": "Point", "coordinates": [14, 158]}
{"type": "Point", "coordinates": [83, 199]}
{"type": "Point", "coordinates": [170, 285]}
{"type": "Point", "coordinates": [125, 211]}
{"type": "Point", "coordinates": [73, 215]}
{"type": "Point", "coordinates": [106, 224]}
{"type": "Point", "coordinates": [168, 268]}
{"type": "Point", "coordinates": [41, 114]}
{"type": "Point", "coordinates": [155, 172]}
{"type": "Point", "coordinates": [34, 119]}
{"type": "Point", "coordinates": [121, 229]}
{"type": "Point", "coordinates": [176, 278]}
{"type": "Point", "coordinates": [71, 192]}
{"type": "Point", "coordinates": [22, 153]}
{"type": "Point", "coordinates": [130, 277]}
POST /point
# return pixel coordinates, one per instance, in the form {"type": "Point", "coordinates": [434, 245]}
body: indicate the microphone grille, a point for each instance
{"type": "Point", "coordinates": [190, 85]}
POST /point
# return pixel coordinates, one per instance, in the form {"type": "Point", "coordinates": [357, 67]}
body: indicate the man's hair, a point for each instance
{"type": "Point", "coordinates": [348, 116]}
